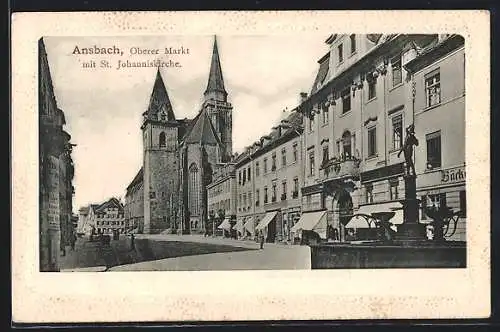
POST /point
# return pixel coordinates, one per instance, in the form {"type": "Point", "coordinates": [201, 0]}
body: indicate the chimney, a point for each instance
{"type": "Point", "coordinates": [303, 97]}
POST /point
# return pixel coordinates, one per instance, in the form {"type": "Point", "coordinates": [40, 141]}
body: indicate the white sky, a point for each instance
{"type": "Point", "coordinates": [262, 74]}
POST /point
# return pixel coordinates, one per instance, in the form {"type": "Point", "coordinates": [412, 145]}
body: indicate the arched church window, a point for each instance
{"type": "Point", "coordinates": [162, 139]}
{"type": "Point", "coordinates": [194, 186]}
{"type": "Point", "coordinates": [346, 143]}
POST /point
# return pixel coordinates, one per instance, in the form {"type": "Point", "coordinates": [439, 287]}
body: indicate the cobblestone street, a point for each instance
{"type": "Point", "coordinates": [186, 252]}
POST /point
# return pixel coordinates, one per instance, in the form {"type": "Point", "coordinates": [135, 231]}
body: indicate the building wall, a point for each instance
{"type": "Point", "coordinates": [134, 208]}
{"type": "Point", "coordinates": [54, 196]}
{"type": "Point", "coordinates": [160, 177]}
{"type": "Point", "coordinates": [109, 220]}
{"type": "Point", "coordinates": [448, 117]}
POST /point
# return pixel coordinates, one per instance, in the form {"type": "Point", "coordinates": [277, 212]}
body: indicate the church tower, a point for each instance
{"type": "Point", "coordinates": [218, 109]}
{"type": "Point", "coordinates": [160, 131]}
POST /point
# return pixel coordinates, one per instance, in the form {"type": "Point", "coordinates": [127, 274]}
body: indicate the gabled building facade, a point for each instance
{"type": "Point", "coordinates": [56, 171]}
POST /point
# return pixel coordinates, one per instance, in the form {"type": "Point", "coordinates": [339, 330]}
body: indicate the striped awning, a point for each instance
{"type": "Point", "coordinates": [225, 225]}
{"type": "Point", "coordinates": [266, 220]}
{"type": "Point", "coordinates": [240, 225]}
{"type": "Point", "coordinates": [249, 225]}
{"type": "Point", "coordinates": [370, 209]}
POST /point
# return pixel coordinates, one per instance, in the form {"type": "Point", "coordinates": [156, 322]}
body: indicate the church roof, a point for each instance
{"type": "Point", "coordinates": [138, 178]}
{"type": "Point", "coordinates": [215, 80]}
{"type": "Point", "coordinates": [159, 100]}
{"type": "Point", "coordinates": [202, 130]}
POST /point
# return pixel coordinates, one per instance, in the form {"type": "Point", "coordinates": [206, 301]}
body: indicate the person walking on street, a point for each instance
{"type": "Point", "coordinates": [261, 238]}
{"type": "Point", "coordinates": [132, 242]}
{"type": "Point", "coordinates": [73, 241]}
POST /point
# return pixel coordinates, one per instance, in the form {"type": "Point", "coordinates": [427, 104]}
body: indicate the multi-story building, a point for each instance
{"type": "Point", "coordinates": [221, 194]}
{"type": "Point", "coordinates": [438, 76]}
{"type": "Point", "coordinates": [134, 203]}
{"type": "Point", "coordinates": [83, 226]}
{"type": "Point", "coordinates": [269, 175]}
{"type": "Point", "coordinates": [355, 117]}
{"type": "Point", "coordinates": [109, 217]}
{"type": "Point", "coordinates": [56, 171]}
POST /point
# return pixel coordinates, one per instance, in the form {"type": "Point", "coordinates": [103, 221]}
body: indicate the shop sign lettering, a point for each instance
{"type": "Point", "coordinates": [453, 175]}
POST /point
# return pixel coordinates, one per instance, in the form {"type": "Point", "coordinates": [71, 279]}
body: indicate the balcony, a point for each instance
{"type": "Point", "coordinates": [337, 168]}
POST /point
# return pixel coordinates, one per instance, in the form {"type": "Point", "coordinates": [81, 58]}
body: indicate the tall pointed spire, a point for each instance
{"type": "Point", "coordinates": [215, 85]}
{"type": "Point", "coordinates": [159, 102]}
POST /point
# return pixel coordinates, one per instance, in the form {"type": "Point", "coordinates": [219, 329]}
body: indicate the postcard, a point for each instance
{"type": "Point", "coordinates": [244, 166]}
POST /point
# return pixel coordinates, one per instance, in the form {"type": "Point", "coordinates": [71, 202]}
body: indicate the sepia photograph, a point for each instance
{"type": "Point", "coordinates": [247, 166]}
{"type": "Point", "coordinates": [355, 159]}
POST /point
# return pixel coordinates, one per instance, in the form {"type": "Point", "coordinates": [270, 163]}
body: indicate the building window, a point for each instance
{"type": "Point", "coordinates": [244, 202]}
{"type": "Point", "coordinates": [244, 177]}
{"type": "Point", "coordinates": [249, 171]}
{"type": "Point", "coordinates": [193, 189]}
{"type": "Point", "coordinates": [353, 43]}
{"type": "Point", "coordinates": [346, 100]}
{"type": "Point", "coordinates": [273, 162]}
{"type": "Point", "coordinates": [265, 165]}
{"type": "Point", "coordinates": [369, 193]}
{"type": "Point", "coordinates": [265, 195]}
{"type": "Point", "coordinates": [432, 202]}
{"type": "Point", "coordinates": [249, 200]}
{"type": "Point", "coordinates": [340, 52]}
{"type": "Point", "coordinates": [463, 204]}
{"type": "Point", "coordinates": [240, 202]}
{"type": "Point", "coordinates": [283, 190]}
{"type": "Point", "coordinates": [372, 86]}
{"type": "Point", "coordinates": [325, 155]}
{"type": "Point", "coordinates": [326, 114]}
{"type": "Point", "coordinates": [239, 178]}
{"type": "Point", "coordinates": [393, 189]}
{"type": "Point", "coordinates": [397, 132]}
{"type": "Point", "coordinates": [372, 142]}
{"type": "Point", "coordinates": [311, 163]}
{"type": "Point", "coordinates": [273, 198]}
{"type": "Point", "coordinates": [257, 197]}
{"type": "Point", "coordinates": [311, 123]}
{"type": "Point", "coordinates": [283, 157]}
{"type": "Point", "coordinates": [295, 152]}
{"type": "Point", "coordinates": [257, 170]}
{"type": "Point", "coordinates": [397, 76]}
{"type": "Point", "coordinates": [295, 188]}
{"type": "Point", "coordinates": [433, 149]}
{"type": "Point", "coordinates": [432, 88]}
{"type": "Point", "coordinates": [346, 144]}
{"type": "Point", "coordinates": [162, 139]}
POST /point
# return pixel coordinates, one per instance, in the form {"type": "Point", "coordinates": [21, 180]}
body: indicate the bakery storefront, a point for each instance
{"type": "Point", "coordinates": [445, 187]}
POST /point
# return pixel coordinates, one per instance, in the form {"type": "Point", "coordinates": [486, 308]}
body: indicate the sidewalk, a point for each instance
{"type": "Point", "coordinates": [250, 244]}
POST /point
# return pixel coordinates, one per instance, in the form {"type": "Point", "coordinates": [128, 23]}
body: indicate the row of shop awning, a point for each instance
{"type": "Point", "coordinates": [311, 221]}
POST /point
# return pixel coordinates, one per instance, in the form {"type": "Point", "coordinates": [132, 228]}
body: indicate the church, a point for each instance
{"type": "Point", "coordinates": [179, 156]}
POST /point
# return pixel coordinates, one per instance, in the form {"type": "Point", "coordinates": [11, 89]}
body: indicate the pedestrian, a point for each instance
{"type": "Point", "coordinates": [132, 242]}
{"type": "Point", "coordinates": [73, 241]}
{"type": "Point", "coordinates": [261, 239]}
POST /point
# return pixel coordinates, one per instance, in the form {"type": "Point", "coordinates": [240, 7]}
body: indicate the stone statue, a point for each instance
{"type": "Point", "coordinates": [407, 149]}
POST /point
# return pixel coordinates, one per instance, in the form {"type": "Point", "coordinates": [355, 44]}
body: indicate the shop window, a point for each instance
{"type": "Point", "coordinates": [433, 88]}
{"type": "Point", "coordinates": [463, 204]}
{"type": "Point", "coordinates": [393, 189]}
{"type": "Point", "coordinates": [433, 150]}
{"type": "Point", "coordinates": [432, 201]}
